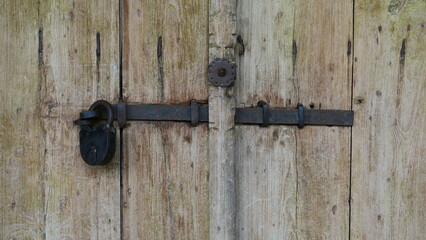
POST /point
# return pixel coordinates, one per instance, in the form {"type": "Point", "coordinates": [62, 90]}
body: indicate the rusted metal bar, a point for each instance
{"type": "Point", "coordinates": [261, 115]}
{"type": "Point", "coordinates": [291, 117]}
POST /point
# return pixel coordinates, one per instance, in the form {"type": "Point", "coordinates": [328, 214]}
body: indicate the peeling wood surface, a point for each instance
{"type": "Point", "coordinates": [294, 184]}
{"type": "Point", "coordinates": [222, 181]}
{"type": "Point", "coordinates": [60, 57]}
{"type": "Point", "coordinates": [166, 164]}
{"type": "Point", "coordinates": [389, 167]}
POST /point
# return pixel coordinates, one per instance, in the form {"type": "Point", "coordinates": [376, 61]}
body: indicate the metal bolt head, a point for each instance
{"type": "Point", "coordinates": [222, 72]}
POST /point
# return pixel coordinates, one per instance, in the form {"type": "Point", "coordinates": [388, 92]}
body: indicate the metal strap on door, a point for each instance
{"type": "Point", "coordinates": [97, 141]}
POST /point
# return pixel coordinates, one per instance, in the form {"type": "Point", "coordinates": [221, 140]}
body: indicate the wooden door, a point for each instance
{"type": "Point", "coordinates": [219, 180]}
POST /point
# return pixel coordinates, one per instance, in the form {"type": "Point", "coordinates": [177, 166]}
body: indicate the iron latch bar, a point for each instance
{"type": "Point", "coordinates": [262, 115]}
{"type": "Point", "coordinates": [290, 117]}
{"type": "Point", "coordinates": [177, 113]}
{"type": "Point", "coordinates": [97, 140]}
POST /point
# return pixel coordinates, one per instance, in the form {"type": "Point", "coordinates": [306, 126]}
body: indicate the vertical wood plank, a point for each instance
{"type": "Point", "coordinates": [22, 138]}
{"type": "Point", "coordinates": [60, 57]}
{"type": "Point", "coordinates": [222, 181]}
{"type": "Point", "coordinates": [389, 168]}
{"type": "Point", "coordinates": [79, 65]}
{"type": "Point", "coordinates": [296, 181]}
{"type": "Point", "coordinates": [323, 72]}
{"type": "Point", "coordinates": [265, 157]}
{"type": "Point", "coordinates": [165, 58]}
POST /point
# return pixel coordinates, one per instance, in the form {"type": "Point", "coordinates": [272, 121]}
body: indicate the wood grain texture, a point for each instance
{"type": "Point", "coordinates": [266, 183]}
{"type": "Point", "coordinates": [389, 168]}
{"type": "Point", "coordinates": [55, 66]}
{"type": "Point", "coordinates": [80, 65]}
{"type": "Point", "coordinates": [323, 72]}
{"type": "Point", "coordinates": [165, 171]}
{"type": "Point", "coordinates": [265, 157]}
{"type": "Point", "coordinates": [296, 181]}
{"type": "Point", "coordinates": [22, 137]}
{"type": "Point", "coordinates": [222, 182]}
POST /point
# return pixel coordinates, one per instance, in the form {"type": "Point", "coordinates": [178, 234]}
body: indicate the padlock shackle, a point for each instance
{"type": "Point", "coordinates": [107, 106]}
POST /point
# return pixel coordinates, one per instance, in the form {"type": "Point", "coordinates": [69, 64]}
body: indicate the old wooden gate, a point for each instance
{"type": "Point", "coordinates": [364, 182]}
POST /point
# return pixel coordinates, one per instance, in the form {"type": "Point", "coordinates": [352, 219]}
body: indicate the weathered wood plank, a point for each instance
{"type": "Point", "coordinates": [265, 157]}
{"type": "Point", "coordinates": [79, 66]}
{"type": "Point", "coordinates": [323, 72]}
{"type": "Point", "coordinates": [22, 138]}
{"type": "Point", "coordinates": [389, 168]}
{"type": "Point", "coordinates": [296, 181]}
{"type": "Point", "coordinates": [165, 164]}
{"type": "Point", "coordinates": [266, 183]}
{"type": "Point", "coordinates": [222, 182]}
{"type": "Point", "coordinates": [60, 57]}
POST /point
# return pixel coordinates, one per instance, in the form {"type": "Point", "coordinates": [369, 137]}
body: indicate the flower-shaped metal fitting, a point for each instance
{"type": "Point", "coordinates": [222, 72]}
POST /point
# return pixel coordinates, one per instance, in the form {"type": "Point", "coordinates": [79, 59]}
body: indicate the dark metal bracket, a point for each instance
{"type": "Point", "coordinates": [195, 113]}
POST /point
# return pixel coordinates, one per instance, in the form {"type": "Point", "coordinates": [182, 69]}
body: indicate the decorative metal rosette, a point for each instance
{"type": "Point", "coordinates": [222, 72]}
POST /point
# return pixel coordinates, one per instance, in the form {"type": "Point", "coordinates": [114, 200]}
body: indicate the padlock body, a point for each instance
{"type": "Point", "coordinates": [97, 144]}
